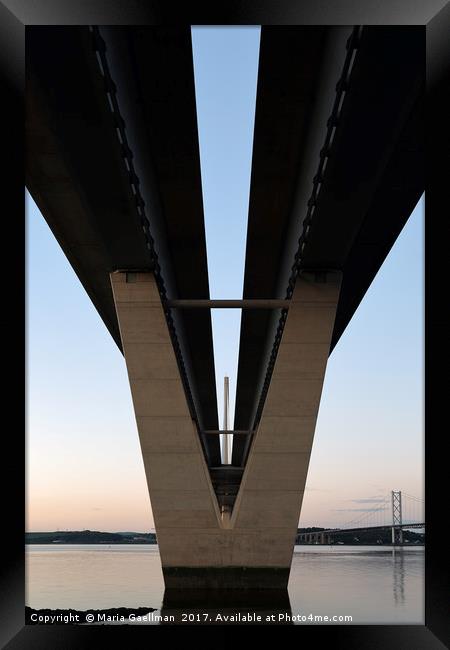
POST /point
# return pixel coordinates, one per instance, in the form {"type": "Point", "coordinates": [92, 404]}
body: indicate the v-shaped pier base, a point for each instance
{"type": "Point", "coordinates": [252, 548]}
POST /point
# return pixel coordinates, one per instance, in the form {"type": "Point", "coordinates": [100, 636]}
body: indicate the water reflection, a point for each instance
{"type": "Point", "coordinates": [227, 607]}
{"type": "Point", "coordinates": [373, 585]}
{"type": "Point", "coordinates": [398, 574]}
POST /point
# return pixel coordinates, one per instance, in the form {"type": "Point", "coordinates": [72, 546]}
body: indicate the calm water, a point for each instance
{"type": "Point", "coordinates": [371, 584]}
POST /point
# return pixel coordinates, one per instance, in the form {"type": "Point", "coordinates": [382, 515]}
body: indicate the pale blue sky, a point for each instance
{"type": "Point", "coordinates": [84, 465]}
{"type": "Point", "coordinates": [225, 89]}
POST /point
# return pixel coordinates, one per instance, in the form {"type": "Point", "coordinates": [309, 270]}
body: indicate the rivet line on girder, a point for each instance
{"type": "Point", "coordinates": [342, 87]}
{"type": "Point", "coordinates": [99, 46]}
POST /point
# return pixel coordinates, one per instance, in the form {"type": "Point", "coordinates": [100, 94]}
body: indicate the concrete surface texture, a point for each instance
{"type": "Point", "coordinates": [199, 546]}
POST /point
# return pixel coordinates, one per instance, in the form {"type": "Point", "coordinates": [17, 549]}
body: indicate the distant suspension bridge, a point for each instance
{"type": "Point", "coordinates": [397, 511]}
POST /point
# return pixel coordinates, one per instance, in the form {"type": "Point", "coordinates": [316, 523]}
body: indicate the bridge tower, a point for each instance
{"type": "Point", "coordinates": [397, 530]}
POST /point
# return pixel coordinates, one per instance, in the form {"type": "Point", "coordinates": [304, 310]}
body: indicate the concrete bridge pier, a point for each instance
{"type": "Point", "coordinates": [253, 547]}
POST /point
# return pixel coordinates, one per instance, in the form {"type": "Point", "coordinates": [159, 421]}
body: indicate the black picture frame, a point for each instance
{"type": "Point", "coordinates": [434, 15]}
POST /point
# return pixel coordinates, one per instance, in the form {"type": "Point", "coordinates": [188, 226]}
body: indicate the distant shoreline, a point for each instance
{"type": "Point", "coordinates": [92, 537]}
{"type": "Point", "coordinates": [66, 543]}
{"type": "Point", "coordinates": [89, 537]}
{"type": "Point", "coordinates": [353, 544]}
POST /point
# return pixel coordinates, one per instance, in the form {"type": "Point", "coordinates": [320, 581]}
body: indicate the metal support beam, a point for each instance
{"type": "Point", "coordinates": [217, 432]}
{"type": "Point", "coordinates": [228, 304]}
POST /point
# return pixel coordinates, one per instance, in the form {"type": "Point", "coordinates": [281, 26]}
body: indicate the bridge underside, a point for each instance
{"type": "Point", "coordinates": [346, 180]}
{"type": "Point", "coordinates": [113, 165]}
